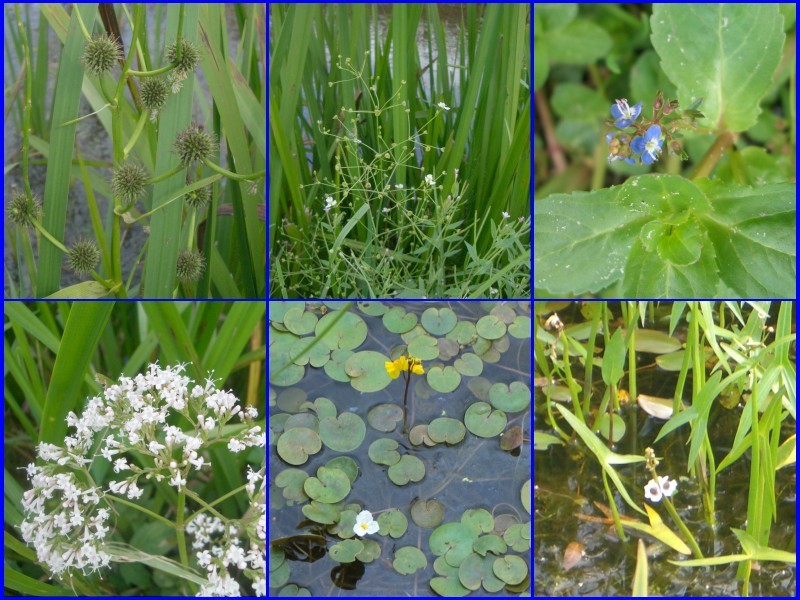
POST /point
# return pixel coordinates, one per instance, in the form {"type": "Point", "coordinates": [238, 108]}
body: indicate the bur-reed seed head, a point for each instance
{"type": "Point", "coordinates": [129, 181]}
{"type": "Point", "coordinates": [195, 144]}
{"type": "Point", "coordinates": [198, 199]}
{"type": "Point", "coordinates": [24, 213]}
{"type": "Point", "coordinates": [101, 53]}
{"type": "Point", "coordinates": [154, 93]}
{"type": "Point", "coordinates": [190, 266]}
{"type": "Point", "coordinates": [83, 256]}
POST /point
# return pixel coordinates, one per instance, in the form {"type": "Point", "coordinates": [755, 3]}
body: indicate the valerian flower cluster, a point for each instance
{"type": "Point", "coordinates": [68, 514]}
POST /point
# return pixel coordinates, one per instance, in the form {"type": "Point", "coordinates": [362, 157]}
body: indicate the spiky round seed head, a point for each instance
{"type": "Point", "coordinates": [197, 199]}
{"type": "Point", "coordinates": [83, 256]}
{"type": "Point", "coordinates": [190, 266]}
{"type": "Point", "coordinates": [129, 181]}
{"type": "Point", "coordinates": [154, 92]}
{"type": "Point", "coordinates": [190, 56]}
{"type": "Point", "coordinates": [101, 53]}
{"type": "Point", "coordinates": [195, 144]}
{"type": "Point", "coordinates": [23, 213]}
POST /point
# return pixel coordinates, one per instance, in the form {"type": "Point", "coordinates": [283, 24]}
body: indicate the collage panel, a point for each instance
{"type": "Point", "coordinates": [400, 151]}
{"type": "Point", "coordinates": [665, 435]}
{"type": "Point", "coordinates": [399, 456]}
{"type": "Point", "coordinates": [134, 449]}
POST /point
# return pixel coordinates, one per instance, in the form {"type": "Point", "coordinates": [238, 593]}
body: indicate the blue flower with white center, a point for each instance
{"type": "Point", "coordinates": [648, 146]}
{"type": "Point", "coordinates": [624, 114]}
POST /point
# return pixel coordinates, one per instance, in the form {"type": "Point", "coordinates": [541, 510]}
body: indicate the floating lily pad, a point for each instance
{"type": "Point", "coordinates": [655, 342]}
{"type": "Point", "coordinates": [310, 351]}
{"type": "Point", "coordinates": [478, 519]}
{"type": "Point", "coordinates": [419, 435]}
{"type": "Point", "coordinates": [277, 310]}
{"type": "Point", "coordinates": [373, 309]}
{"type": "Point", "coordinates": [447, 348]}
{"type": "Point", "coordinates": [481, 346]}
{"type": "Point", "coordinates": [344, 528]}
{"type": "Point", "coordinates": [383, 451]}
{"type": "Point", "coordinates": [367, 371]}
{"type": "Point", "coordinates": [510, 398]}
{"type": "Point", "coordinates": [424, 347]}
{"type": "Point", "coordinates": [501, 344]}
{"type": "Point", "coordinates": [484, 422]}
{"type": "Point", "coordinates": [427, 513]}
{"type": "Point", "coordinates": [511, 569]}
{"type": "Point", "coordinates": [385, 417]}
{"type": "Point", "coordinates": [319, 512]}
{"type": "Point", "coordinates": [478, 570]}
{"type": "Point", "coordinates": [504, 313]}
{"type": "Point", "coordinates": [408, 560]}
{"type": "Point", "coordinates": [346, 331]}
{"type": "Point", "coordinates": [345, 551]}
{"type": "Point", "coordinates": [279, 576]}
{"type": "Point", "coordinates": [518, 537]}
{"type": "Point", "coordinates": [344, 433]}
{"type": "Point", "coordinates": [292, 591]}
{"type": "Point", "coordinates": [491, 356]}
{"type": "Point", "coordinates": [469, 364]}
{"type": "Point", "coordinates": [295, 445]}
{"type": "Point", "coordinates": [371, 551]}
{"type": "Point", "coordinates": [489, 543]}
{"type": "Point", "coordinates": [299, 321]}
{"type": "Point", "coordinates": [512, 438]}
{"type": "Point", "coordinates": [443, 380]}
{"type": "Point", "coordinates": [276, 558]}
{"type": "Point", "coordinates": [276, 422]}
{"type": "Point", "coordinates": [291, 481]}
{"type": "Point", "coordinates": [410, 468]}
{"type": "Point", "coordinates": [526, 495]}
{"type": "Point", "coordinates": [439, 321]}
{"type": "Point", "coordinates": [448, 585]}
{"type": "Point", "coordinates": [521, 327]}
{"type": "Point", "coordinates": [291, 400]}
{"type": "Point", "coordinates": [346, 465]}
{"type": "Point", "coordinates": [463, 333]}
{"type": "Point", "coordinates": [302, 420]}
{"type": "Point", "coordinates": [480, 386]}
{"type": "Point", "coordinates": [324, 407]}
{"type": "Point", "coordinates": [334, 368]}
{"type": "Point", "coordinates": [282, 371]}
{"type": "Point", "coordinates": [619, 426]}
{"type": "Point", "coordinates": [445, 429]}
{"type": "Point", "coordinates": [453, 541]}
{"type": "Point", "coordinates": [393, 523]}
{"type": "Point", "coordinates": [397, 320]}
{"type": "Point", "coordinates": [503, 522]}
{"type": "Point", "coordinates": [490, 327]}
{"type": "Point", "coordinates": [330, 485]}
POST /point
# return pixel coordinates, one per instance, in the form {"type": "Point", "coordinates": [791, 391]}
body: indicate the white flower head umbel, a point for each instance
{"type": "Point", "coordinates": [65, 517]}
{"type": "Point", "coordinates": [365, 524]}
{"type": "Point", "coordinates": [655, 490]}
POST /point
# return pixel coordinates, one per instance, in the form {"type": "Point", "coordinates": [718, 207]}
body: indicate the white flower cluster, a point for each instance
{"type": "Point", "coordinates": [655, 490]}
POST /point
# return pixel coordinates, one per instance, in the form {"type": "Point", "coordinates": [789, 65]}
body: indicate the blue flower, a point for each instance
{"type": "Point", "coordinates": [623, 114]}
{"type": "Point", "coordinates": [648, 146]}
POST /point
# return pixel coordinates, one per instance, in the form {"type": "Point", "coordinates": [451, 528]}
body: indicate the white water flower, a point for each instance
{"type": "Point", "coordinates": [429, 179]}
{"type": "Point", "coordinates": [505, 215]}
{"type": "Point", "coordinates": [667, 486]}
{"type": "Point", "coordinates": [365, 524]}
{"type": "Point", "coordinates": [443, 105]}
{"type": "Point", "coordinates": [329, 203]}
{"type": "Point", "coordinates": [652, 491]}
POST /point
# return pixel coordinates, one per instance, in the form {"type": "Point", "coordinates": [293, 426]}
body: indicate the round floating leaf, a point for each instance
{"type": "Point", "coordinates": [323, 407]}
{"type": "Point", "coordinates": [279, 576]}
{"type": "Point", "coordinates": [655, 342]}
{"type": "Point", "coordinates": [603, 428]}
{"type": "Point", "coordinates": [344, 528]}
{"type": "Point", "coordinates": [439, 321]}
{"type": "Point", "coordinates": [276, 558]}
{"type": "Point", "coordinates": [302, 420]}
{"type": "Point", "coordinates": [476, 571]}
{"type": "Point", "coordinates": [463, 333]}
{"type": "Point", "coordinates": [503, 522]}
{"type": "Point", "coordinates": [478, 519]}
{"type": "Point", "coordinates": [484, 422]}
{"type": "Point", "coordinates": [511, 569]}
{"type": "Point", "coordinates": [481, 346]}
{"type": "Point", "coordinates": [447, 348]}
{"type": "Point", "coordinates": [291, 480]}
{"type": "Point", "coordinates": [276, 422]}
{"type": "Point", "coordinates": [427, 513]}
{"type": "Point", "coordinates": [384, 452]}
{"type": "Point", "coordinates": [504, 312]}
{"type": "Point", "coordinates": [424, 347]}
{"type": "Point", "coordinates": [490, 327]}
{"type": "Point", "coordinates": [489, 543]}
{"type": "Point", "coordinates": [513, 398]}
{"type": "Point", "coordinates": [371, 551]}
{"type": "Point", "coordinates": [419, 435]}
{"type": "Point", "coordinates": [345, 551]}
{"type": "Point", "coordinates": [337, 330]}
{"type": "Point", "coordinates": [501, 344]}
{"type": "Point", "coordinates": [512, 438]}
{"type": "Point", "coordinates": [298, 321]}
{"type": "Point", "coordinates": [445, 429]}
{"type": "Point", "coordinates": [479, 386]}
{"type": "Point", "coordinates": [408, 560]}
{"type": "Point", "coordinates": [292, 590]}
{"type": "Point", "coordinates": [330, 485]}
{"type": "Point", "coordinates": [287, 376]}
{"type": "Point", "coordinates": [295, 445]}
{"type": "Point", "coordinates": [526, 495]}
{"type": "Point", "coordinates": [469, 364]}
{"type": "Point", "coordinates": [367, 371]}
{"type": "Point", "coordinates": [393, 523]}
{"type": "Point", "coordinates": [373, 309]}
{"type": "Point", "coordinates": [410, 468]}
{"type": "Point", "coordinates": [448, 585]}
{"type": "Point", "coordinates": [385, 417]}
{"type": "Point", "coordinates": [291, 400]}
{"type": "Point", "coordinates": [520, 328]}
{"type": "Point", "coordinates": [397, 320]}
{"type": "Point", "coordinates": [344, 433]}
{"type": "Point", "coordinates": [277, 310]}
{"type": "Point", "coordinates": [346, 465]}
{"type": "Point", "coordinates": [518, 537]}
{"type": "Point", "coordinates": [443, 380]}
{"type": "Point", "coordinates": [453, 541]}
{"type": "Point", "coordinates": [319, 512]}
{"type": "Point", "coordinates": [334, 368]}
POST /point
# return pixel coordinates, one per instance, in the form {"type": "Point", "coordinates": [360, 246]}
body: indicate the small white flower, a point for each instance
{"type": "Point", "coordinates": [329, 203]}
{"type": "Point", "coordinates": [365, 524]}
{"type": "Point", "coordinates": [505, 215]}
{"type": "Point", "coordinates": [398, 186]}
{"type": "Point", "coordinates": [492, 291]}
{"type": "Point", "coordinates": [429, 179]}
{"type": "Point", "coordinates": [652, 491]}
{"type": "Point", "coordinates": [443, 105]}
{"type": "Point", "coordinates": [667, 487]}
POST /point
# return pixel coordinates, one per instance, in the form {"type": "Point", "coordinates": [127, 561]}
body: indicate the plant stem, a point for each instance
{"type": "Point", "coordinates": [153, 73]}
{"type": "Point", "coordinates": [724, 140]}
{"type": "Point", "coordinates": [26, 115]}
{"type": "Point", "coordinates": [614, 512]}
{"type": "Point", "coordinates": [146, 511]}
{"type": "Point", "coordinates": [553, 147]}
{"type": "Point", "coordinates": [173, 171]}
{"type": "Point", "coordinates": [407, 377]}
{"type": "Point", "coordinates": [180, 529]}
{"type": "Point", "coordinates": [230, 175]}
{"type": "Point", "coordinates": [682, 526]}
{"type": "Point", "coordinates": [136, 133]}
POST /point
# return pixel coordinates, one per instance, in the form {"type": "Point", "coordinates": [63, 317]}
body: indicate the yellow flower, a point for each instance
{"type": "Point", "coordinates": [414, 365]}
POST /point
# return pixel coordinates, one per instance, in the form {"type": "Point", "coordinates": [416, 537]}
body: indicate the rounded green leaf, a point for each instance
{"type": "Point", "coordinates": [445, 429]}
{"type": "Point", "coordinates": [419, 435]}
{"type": "Point", "coordinates": [490, 327]}
{"type": "Point", "coordinates": [427, 513]}
{"type": "Point", "coordinates": [344, 528]}
{"type": "Point", "coordinates": [477, 570]}
{"type": "Point", "coordinates": [329, 486]}
{"type": "Point", "coordinates": [347, 331]}
{"type": "Point", "coordinates": [276, 558]}
{"type": "Point", "coordinates": [371, 551]}
{"type": "Point", "coordinates": [319, 512]}
{"type": "Point", "coordinates": [397, 320]}
{"type": "Point", "coordinates": [510, 398]}
{"type": "Point", "coordinates": [453, 541]}
{"type": "Point", "coordinates": [424, 347]}
{"type": "Point", "coordinates": [489, 543]}
{"type": "Point", "coordinates": [295, 445]}
{"type": "Point", "coordinates": [443, 380]}
{"type": "Point", "coordinates": [449, 587]}
{"type": "Point", "coordinates": [291, 400]}
{"type": "Point", "coordinates": [518, 536]}
{"type": "Point", "coordinates": [346, 465]}
{"type": "Point", "coordinates": [383, 451]}
{"type": "Point", "coordinates": [521, 327]}
{"type": "Point", "coordinates": [291, 481]}
{"type": "Point", "coordinates": [511, 569]}
{"type": "Point", "coordinates": [410, 468]}
{"type": "Point", "coordinates": [469, 364]}
{"type": "Point", "coordinates": [373, 309]}
{"type": "Point", "coordinates": [504, 311]}
{"type": "Point", "coordinates": [279, 576]}
{"type": "Point", "coordinates": [479, 519]}
{"type": "Point", "coordinates": [385, 417]}
{"type": "Point", "coordinates": [345, 551]}
{"type": "Point", "coordinates": [484, 422]}
{"type": "Point", "coordinates": [393, 523]}
{"type": "Point", "coordinates": [367, 371]}
{"type": "Point", "coordinates": [344, 433]}
{"type": "Point", "coordinates": [277, 310]}
{"type": "Point", "coordinates": [619, 426]}
{"type": "Point", "coordinates": [324, 407]}
{"type": "Point", "coordinates": [408, 560]}
{"type": "Point", "coordinates": [302, 420]}
{"type": "Point", "coordinates": [463, 333]}
{"type": "Point", "coordinates": [439, 321]}
{"type": "Point", "coordinates": [292, 590]}
{"type": "Point", "coordinates": [334, 368]}
{"type": "Point", "coordinates": [299, 321]}
{"type": "Point", "coordinates": [526, 495]}
{"type": "Point", "coordinates": [447, 348]}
